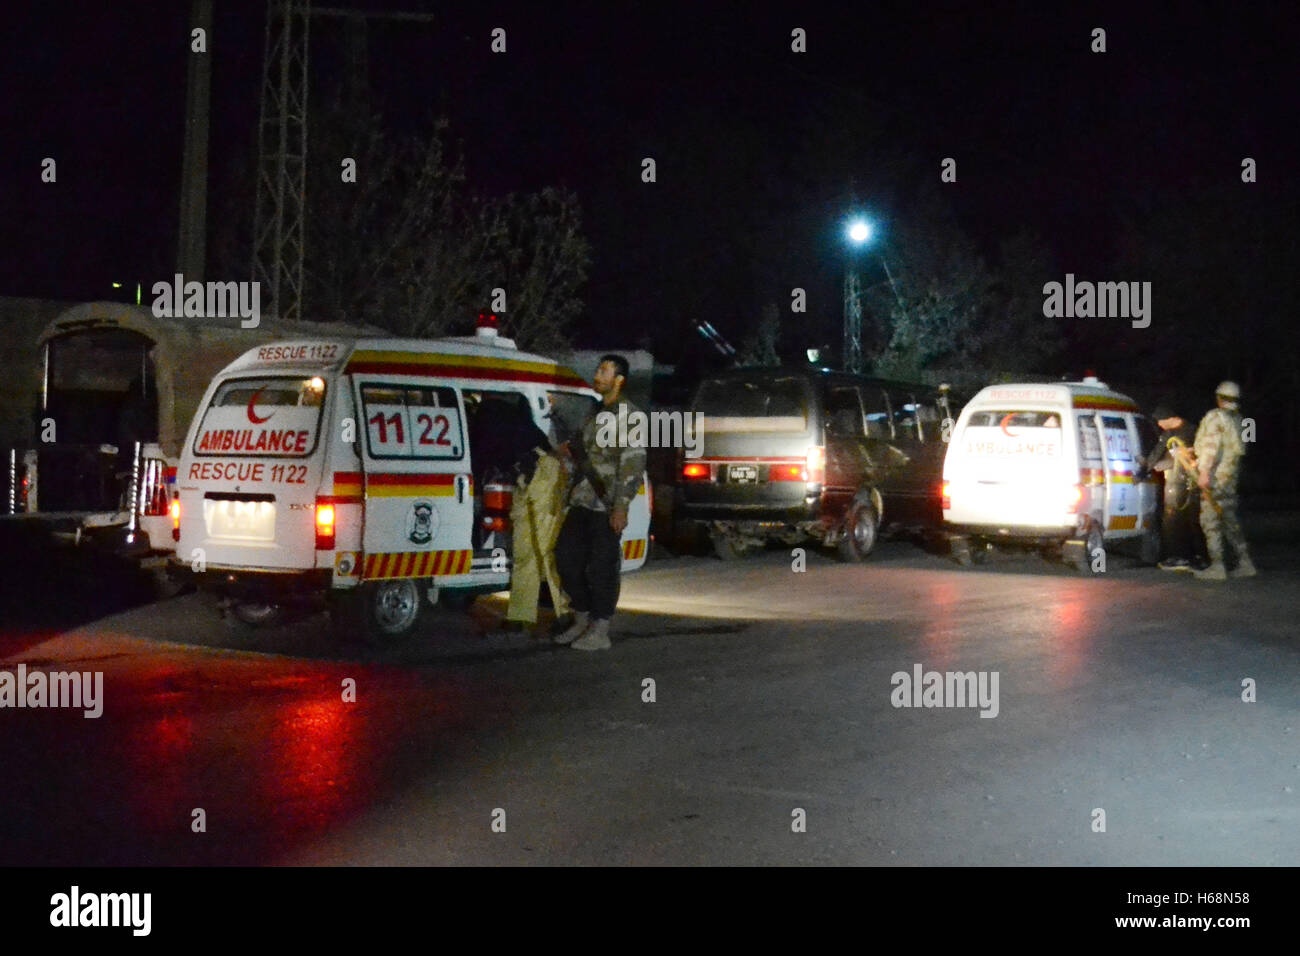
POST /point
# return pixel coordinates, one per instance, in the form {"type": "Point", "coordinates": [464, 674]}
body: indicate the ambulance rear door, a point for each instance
{"type": "Point", "coordinates": [636, 536]}
{"type": "Point", "coordinates": [1121, 466]}
{"type": "Point", "coordinates": [416, 485]}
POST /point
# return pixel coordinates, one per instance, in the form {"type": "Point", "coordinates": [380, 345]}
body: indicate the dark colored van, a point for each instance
{"type": "Point", "coordinates": [792, 454]}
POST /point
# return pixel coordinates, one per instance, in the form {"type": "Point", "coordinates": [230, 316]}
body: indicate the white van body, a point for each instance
{"type": "Point", "coordinates": [1051, 465]}
{"type": "Point", "coordinates": [373, 431]}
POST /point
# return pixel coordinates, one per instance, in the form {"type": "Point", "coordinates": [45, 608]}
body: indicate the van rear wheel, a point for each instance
{"type": "Point", "coordinates": [1093, 545]}
{"type": "Point", "coordinates": [249, 615]}
{"type": "Point", "coordinates": [728, 548]}
{"type": "Point", "coordinates": [861, 529]}
{"type": "Point", "coordinates": [378, 613]}
{"type": "Point", "coordinates": [391, 610]}
{"type": "Point", "coordinates": [1150, 550]}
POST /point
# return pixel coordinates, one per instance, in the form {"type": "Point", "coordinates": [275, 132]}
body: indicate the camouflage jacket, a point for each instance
{"type": "Point", "coordinates": [620, 467]}
{"type": "Point", "coordinates": [1218, 443]}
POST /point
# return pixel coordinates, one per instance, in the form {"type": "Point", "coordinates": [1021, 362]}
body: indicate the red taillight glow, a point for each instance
{"type": "Point", "coordinates": [817, 464]}
{"type": "Point", "coordinates": [175, 510]}
{"type": "Point", "coordinates": [947, 495]}
{"type": "Point", "coordinates": [324, 527]}
{"type": "Point", "coordinates": [695, 471]}
{"type": "Point", "coordinates": [1073, 495]}
{"type": "Point", "coordinates": [787, 473]}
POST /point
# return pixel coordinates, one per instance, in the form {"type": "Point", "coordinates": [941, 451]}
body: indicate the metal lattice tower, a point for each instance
{"type": "Point", "coordinates": [852, 356]}
{"type": "Point", "coordinates": [278, 216]}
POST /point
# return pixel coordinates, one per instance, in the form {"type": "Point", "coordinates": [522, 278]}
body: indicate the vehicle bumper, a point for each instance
{"type": "Point", "coordinates": [1020, 534]}
{"type": "Point", "coordinates": [259, 585]}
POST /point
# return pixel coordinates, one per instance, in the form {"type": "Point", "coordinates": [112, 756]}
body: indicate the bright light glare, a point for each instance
{"type": "Point", "coordinates": [859, 231]}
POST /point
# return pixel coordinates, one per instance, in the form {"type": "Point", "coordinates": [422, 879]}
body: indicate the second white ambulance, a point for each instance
{"type": "Point", "coordinates": [347, 467]}
{"type": "Point", "coordinates": [1055, 466]}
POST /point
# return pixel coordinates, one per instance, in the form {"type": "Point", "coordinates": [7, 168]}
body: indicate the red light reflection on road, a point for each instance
{"type": "Point", "coordinates": [310, 764]}
{"type": "Point", "coordinates": [1073, 620]}
{"type": "Point", "coordinates": [941, 597]}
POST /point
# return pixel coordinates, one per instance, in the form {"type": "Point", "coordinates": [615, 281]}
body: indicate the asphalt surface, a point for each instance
{"type": "Point", "coordinates": [771, 739]}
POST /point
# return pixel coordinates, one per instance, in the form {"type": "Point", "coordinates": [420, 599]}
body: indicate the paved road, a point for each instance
{"type": "Point", "coordinates": [772, 696]}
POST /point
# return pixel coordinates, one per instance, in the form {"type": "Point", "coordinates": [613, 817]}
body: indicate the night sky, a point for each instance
{"type": "Point", "coordinates": [750, 139]}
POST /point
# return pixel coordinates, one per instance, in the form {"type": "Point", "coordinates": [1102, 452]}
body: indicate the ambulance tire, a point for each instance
{"type": "Point", "coordinates": [1150, 550]}
{"type": "Point", "coordinates": [389, 610]}
{"type": "Point", "coordinates": [247, 616]}
{"type": "Point", "coordinates": [861, 531]}
{"type": "Point", "coordinates": [1092, 542]}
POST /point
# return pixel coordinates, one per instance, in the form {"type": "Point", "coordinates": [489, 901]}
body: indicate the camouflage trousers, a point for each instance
{"type": "Point", "coordinates": [1222, 525]}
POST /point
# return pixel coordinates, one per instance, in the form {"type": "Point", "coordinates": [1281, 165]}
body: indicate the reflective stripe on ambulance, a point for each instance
{"type": "Point", "coordinates": [416, 564]}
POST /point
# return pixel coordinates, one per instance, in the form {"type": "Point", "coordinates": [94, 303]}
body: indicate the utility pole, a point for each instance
{"type": "Point", "coordinates": [280, 211]}
{"type": "Point", "coordinates": [191, 244]}
{"type": "Point", "coordinates": [282, 159]}
{"type": "Point", "coordinates": [852, 356]}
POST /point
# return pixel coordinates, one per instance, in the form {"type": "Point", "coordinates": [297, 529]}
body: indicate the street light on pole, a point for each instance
{"type": "Point", "coordinates": [859, 233]}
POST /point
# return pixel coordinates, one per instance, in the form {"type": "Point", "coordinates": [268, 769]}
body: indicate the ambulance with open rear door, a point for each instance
{"type": "Point", "coordinates": [1056, 466]}
{"type": "Point", "coordinates": [345, 467]}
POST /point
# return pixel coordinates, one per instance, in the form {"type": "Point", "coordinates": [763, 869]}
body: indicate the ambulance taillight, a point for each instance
{"type": "Point", "coordinates": [324, 526]}
{"type": "Point", "coordinates": [947, 495]}
{"type": "Point", "coordinates": [1074, 495]}
{"type": "Point", "coordinates": [694, 471]}
{"type": "Point", "coordinates": [175, 510]}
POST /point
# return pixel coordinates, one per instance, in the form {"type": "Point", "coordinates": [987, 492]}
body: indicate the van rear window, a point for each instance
{"type": "Point", "coordinates": [1008, 433]}
{"type": "Point", "coordinates": [1010, 418]}
{"type": "Point", "coordinates": [782, 403]}
{"type": "Point", "coordinates": [270, 417]}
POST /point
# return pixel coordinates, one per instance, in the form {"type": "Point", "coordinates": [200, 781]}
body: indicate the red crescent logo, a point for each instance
{"type": "Point", "coordinates": [1004, 422]}
{"type": "Point", "coordinates": [252, 415]}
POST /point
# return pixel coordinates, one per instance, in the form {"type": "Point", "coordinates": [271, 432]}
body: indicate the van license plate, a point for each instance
{"type": "Point", "coordinates": [743, 474]}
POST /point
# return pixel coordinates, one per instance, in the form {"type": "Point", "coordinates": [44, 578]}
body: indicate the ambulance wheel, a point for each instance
{"type": "Point", "coordinates": [250, 615]}
{"type": "Point", "coordinates": [390, 610]}
{"type": "Point", "coordinates": [1092, 543]}
{"type": "Point", "coordinates": [860, 532]}
{"type": "Point", "coordinates": [1150, 553]}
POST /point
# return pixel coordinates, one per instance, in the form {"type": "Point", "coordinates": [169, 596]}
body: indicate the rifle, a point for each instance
{"type": "Point", "coordinates": [1187, 458]}
{"type": "Point", "coordinates": [578, 453]}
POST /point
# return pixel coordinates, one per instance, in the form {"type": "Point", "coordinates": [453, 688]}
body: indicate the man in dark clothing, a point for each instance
{"type": "Point", "coordinates": [588, 551]}
{"type": "Point", "coordinates": [1180, 535]}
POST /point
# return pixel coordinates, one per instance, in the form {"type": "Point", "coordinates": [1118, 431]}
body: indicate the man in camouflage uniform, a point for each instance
{"type": "Point", "coordinates": [1219, 450]}
{"type": "Point", "coordinates": [588, 552]}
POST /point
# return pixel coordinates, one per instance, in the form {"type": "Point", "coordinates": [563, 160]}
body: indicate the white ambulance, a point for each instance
{"type": "Point", "coordinates": [1054, 466]}
{"type": "Point", "coordinates": [347, 467]}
